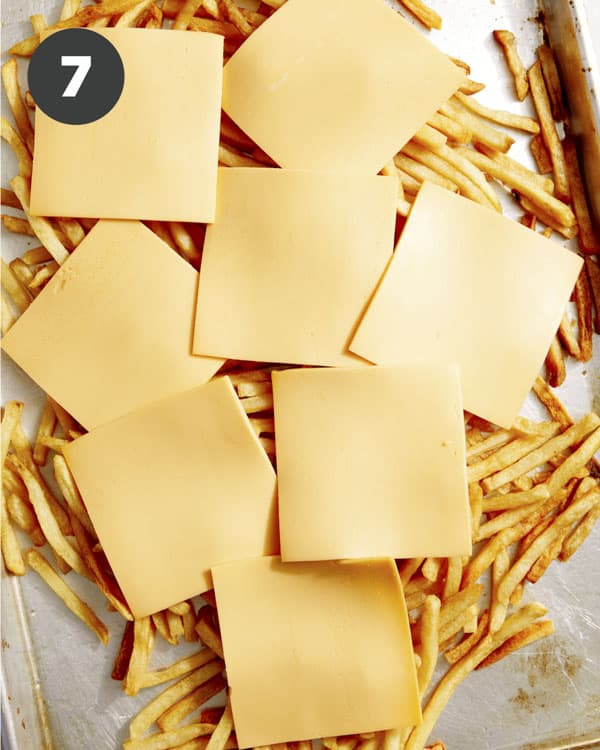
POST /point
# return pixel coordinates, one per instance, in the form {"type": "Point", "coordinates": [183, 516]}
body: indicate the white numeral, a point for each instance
{"type": "Point", "coordinates": [83, 63]}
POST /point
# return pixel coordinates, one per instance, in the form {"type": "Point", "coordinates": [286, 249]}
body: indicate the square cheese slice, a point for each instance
{"type": "Point", "coordinates": [112, 330]}
{"type": "Point", "coordinates": [155, 154]}
{"type": "Point", "coordinates": [340, 85]}
{"type": "Point", "coordinates": [371, 463]}
{"type": "Point", "coordinates": [321, 649]}
{"type": "Point", "coordinates": [290, 264]}
{"type": "Point", "coordinates": [175, 488]}
{"type": "Point", "coordinates": [468, 285]}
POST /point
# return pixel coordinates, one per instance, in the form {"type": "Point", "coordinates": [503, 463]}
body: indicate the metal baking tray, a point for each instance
{"type": "Point", "coordinates": [56, 686]}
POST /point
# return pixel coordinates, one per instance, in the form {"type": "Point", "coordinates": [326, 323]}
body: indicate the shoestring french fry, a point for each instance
{"type": "Point", "coordinates": [508, 44]}
{"type": "Point", "coordinates": [500, 117]}
{"type": "Point", "coordinates": [552, 80]}
{"type": "Point", "coordinates": [540, 154]}
{"type": "Point", "coordinates": [174, 715]}
{"type": "Point", "coordinates": [589, 241]}
{"type": "Point", "coordinates": [426, 15]}
{"type": "Point", "coordinates": [529, 634]}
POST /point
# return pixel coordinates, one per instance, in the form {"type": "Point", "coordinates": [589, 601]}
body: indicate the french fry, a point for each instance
{"type": "Point", "coordinates": [17, 225]}
{"type": "Point", "coordinates": [140, 654]}
{"type": "Point", "coordinates": [505, 456]}
{"type": "Point", "coordinates": [583, 302]}
{"type": "Point", "coordinates": [547, 448]}
{"type": "Point", "coordinates": [423, 13]}
{"type": "Point", "coordinates": [414, 600]}
{"type": "Point", "coordinates": [453, 130]}
{"type": "Point", "coordinates": [529, 634]}
{"type": "Point", "coordinates": [207, 633]}
{"type": "Point", "coordinates": [175, 625]}
{"type": "Point", "coordinates": [229, 157]}
{"type": "Point", "coordinates": [421, 172]}
{"type": "Point", "coordinates": [41, 227]}
{"type": "Point", "coordinates": [10, 135]}
{"type": "Point", "coordinates": [552, 80]}
{"type": "Point", "coordinates": [202, 743]}
{"type": "Point", "coordinates": [472, 172]}
{"type": "Point", "coordinates": [431, 568]}
{"type": "Point", "coordinates": [45, 429]}
{"type": "Point", "coordinates": [121, 663]}
{"type": "Point", "coordinates": [185, 243]}
{"type": "Point", "coordinates": [22, 514]}
{"type": "Point", "coordinates": [589, 242]}
{"type": "Point", "coordinates": [11, 551]}
{"type": "Point", "coordinates": [540, 154]}
{"type": "Point", "coordinates": [552, 224]}
{"type": "Point", "coordinates": [256, 404]}
{"type": "Point", "coordinates": [556, 371]}
{"type": "Point", "coordinates": [453, 576]}
{"type": "Point", "coordinates": [15, 289]}
{"type": "Point", "coordinates": [456, 604]}
{"type": "Point", "coordinates": [42, 276]}
{"type": "Point", "coordinates": [167, 740]}
{"type": "Point", "coordinates": [10, 421]}
{"type": "Point", "coordinates": [79, 608]}
{"type": "Point", "coordinates": [456, 653]}
{"type": "Point", "coordinates": [549, 132]}
{"type": "Point", "coordinates": [15, 100]}
{"type": "Point", "coordinates": [516, 499]}
{"type": "Point", "coordinates": [237, 18]}
{"type": "Point", "coordinates": [171, 695]}
{"type": "Point", "coordinates": [408, 568]}
{"type": "Point", "coordinates": [476, 504]}
{"type": "Point", "coordinates": [223, 731]}
{"type": "Point", "coordinates": [508, 44]}
{"type": "Point", "coordinates": [198, 697]}
{"type": "Point", "coordinates": [450, 630]}
{"type": "Point", "coordinates": [577, 460]}
{"type": "Point", "coordinates": [459, 671]}
{"type": "Point", "coordinates": [521, 566]}
{"type": "Point", "coordinates": [491, 442]}
{"type": "Point", "coordinates": [593, 272]}
{"type": "Point", "coordinates": [159, 620]}
{"type": "Point", "coordinates": [71, 494]}
{"type": "Point", "coordinates": [177, 669]}
{"type": "Point", "coordinates": [429, 137]}
{"type": "Point", "coordinates": [130, 17]}
{"type": "Point", "coordinates": [65, 420]}
{"type": "Point", "coordinates": [470, 87]}
{"type": "Point", "coordinates": [576, 538]}
{"type": "Point", "coordinates": [8, 198]}
{"type": "Point", "coordinates": [498, 609]}
{"type": "Point", "coordinates": [552, 403]}
{"type": "Point", "coordinates": [482, 133]}
{"type": "Point", "coordinates": [500, 117]}
{"type": "Point", "coordinates": [152, 19]}
{"type": "Point", "coordinates": [567, 335]}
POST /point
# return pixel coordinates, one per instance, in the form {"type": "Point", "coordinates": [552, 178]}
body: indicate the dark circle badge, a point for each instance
{"type": "Point", "coordinates": [76, 76]}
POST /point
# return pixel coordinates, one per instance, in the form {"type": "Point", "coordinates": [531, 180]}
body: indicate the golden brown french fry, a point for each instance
{"type": "Point", "coordinates": [256, 404]}
{"type": "Point", "coordinates": [589, 242]}
{"type": "Point", "coordinates": [456, 653]}
{"type": "Point", "coordinates": [476, 503]}
{"type": "Point", "coordinates": [152, 19]}
{"type": "Point", "coordinates": [552, 80]}
{"type": "Point", "coordinates": [498, 609]}
{"type": "Point", "coordinates": [456, 604]}
{"type": "Point", "coordinates": [45, 429]}
{"type": "Point", "coordinates": [177, 669]}
{"type": "Point", "coordinates": [69, 8]}
{"type": "Point", "coordinates": [22, 514]}
{"type": "Point", "coordinates": [175, 625]}
{"type": "Point", "coordinates": [429, 627]}
{"type": "Point", "coordinates": [529, 634]}
{"type": "Point", "coordinates": [71, 494]}
{"type": "Point", "coordinates": [167, 740]}
{"type": "Point", "coordinates": [593, 272]}
{"type": "Point", "coordinates": [577, 460]}
{"type": "Point", "coordinates": [569, 232]}
{"type": "Point", "coordinates": [459, 671]}
{"type": "Point", "coordinates": [408, 568]}
{"type": "Point", "coordinates": [470, 87]}
{"type": "Point", "coordinates": [541, 155]}
{"type": "Point", "coordinates": [516, 499]}
{"type": "Point", "coordinates": [453, 576]}
{"type": "Point", "coordinates": [549, 132]}
{"type": "Point", "coordinates": [508, 119]}
{"type": "Point", "coordinates": [168, 697]}
{"type": "Point", "coordinates": [15, 99]}
{"type": "Point", "coordinates": [121, 663]}
{"type": "Point", "coordinates": [130, 17]}
{"type": "Point", "coordinates": [10, 135]}
{"type": "Point", "coordinates": [207, 632]}
{"type": "Point", "coordinates": [556, 371]}
{"type": "Point", "coordinates": [140, 654]}
{"type": "Point", "coordinates": [223, 731]}
{"type": "Point", "coordinates": [10, 421]}
{"type": "Point", "coordinates": [576, 538]}
{"type": "Point", "coordinates": [429, 137]}
{"type": "Point", "coordinates": [79, 608]}
{"type": "Point", "coordinates": [492, 442]}
{"type": "Point", "coordinates": [420, 172]}
{"type": "Point", "coordinates": [8, 198]}
{"type": "Point", "coordinates": [453, 130]}
{"type": "Point", "coordinates": [508, 44]}
{"type": "Point", "coordinates": [15, 289]}
{"type": "Point", "coordinates": [159, 620]}
{"type": "Point", "coordinates": [17, 225]}
{"type": "Point", "coordinates": [519, 569]}
{"type": "Point", "coordinates": [567, 336]}
{"type": "Point", "coordinates": [237, 18]}
{"type": "Point", "coordinates": [40, 226]}
{"type": "Point", "coordinates": [583, 301]}
{"type": "Point", "coordinates": [482, 133]}
{"type": "Point", "coordinates": [431, 568]}
{"type": "Point", "coordinates": [472, 172]}
{"type": "Point", "coordinates": [42, 276]}
{"type": "Point", "coordinates": [186, 13]}
{"type": "Point", "coordinates": [198, 697]}
{"type": "Point", "coordinates": [423, 13]}
{"type": "Point", "coordinates": [543, 452]}
{"type": "Point", "coordinates": [552, 403]}
{"type": "Point", "coordinates": [11, 551]}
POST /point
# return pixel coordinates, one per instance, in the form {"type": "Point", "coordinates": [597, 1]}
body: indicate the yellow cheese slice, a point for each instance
{"type": "Point", "coordinates": [155, 154]}
{"type": "Point", "coordinates": [175, 488]}
{"type": "Point", "coordinates": [371, 463]}
{"type": "Point", "coordinates": [290, 264]}
{"type": "Point", "coordinates": [321, 649]}
{"type": "Point", "coordinates": [340, 85]}
{"type": "Point", "coordinates": [468, 285]}
{"type": "Point", "coordinates": [112, 329]}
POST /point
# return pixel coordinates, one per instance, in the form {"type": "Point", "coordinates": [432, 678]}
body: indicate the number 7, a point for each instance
{"type": "Point", "coordinates": [83, 63]}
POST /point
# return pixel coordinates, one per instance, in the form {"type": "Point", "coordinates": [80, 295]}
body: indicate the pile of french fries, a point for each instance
{"type": "Point", "coordinates": [534, 489]}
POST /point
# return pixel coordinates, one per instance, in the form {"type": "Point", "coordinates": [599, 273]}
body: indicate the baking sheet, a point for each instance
{"type": "Point", "coordinates": [57, 686]}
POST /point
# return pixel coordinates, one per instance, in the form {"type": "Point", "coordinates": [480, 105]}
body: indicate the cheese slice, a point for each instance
{"type": "Point", "coordinates": [371, 462]}
{"type": "Point", "coordinates": [155, 154]}
{"type": "Point", "coordinates": [290, 264]}
{"type": "Point", "coordinates": [340, 85]}
{"type": "Point", "coordinates": [322, 649]}
{"type": "Point", "coordinates": [175, 488]}
{"type": "Point", "coordinates": [468, 285]}
{"type": "Point", "coordinates": [112, 329]}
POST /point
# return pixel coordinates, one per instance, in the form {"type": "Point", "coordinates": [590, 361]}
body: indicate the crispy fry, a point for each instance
{"type": "Point", "coordinates": [130, 17]}
{"type": "Point", "coordinates": [235, 15]}
{"type": "Point", "coordinates": [15, 289]}
{"type": "Point", "coordinates": [459, 671]}
{"type": "Point", "coordinates": [555, 364]}
{"type": "Point", "coordinates": [167, 740]}
{"type": "Point", "coordinates": [65, 420]}
{"type": "Point", "coordinates": [139, 657]}
{"type": "Point", "coordinates": [552, 80]}
{"type": "Point", "coordinates": [494, 440]}
{"type": "Point", "coordinates": [178, 669]}
{"type": "Point", "coordinates": [198, 697]}
{"type": "Point", "coordinates": [185, 243]}
{"type": "Point", "coordinates": [552, 403]}
{"type": "Point", "coordinates": [22, 514]}
{"type": "Point", "coordinates": [15, 100]}
{"type": "Point", "coordinates": [583, 301]}
{"type": "Point", "coordinates": [454, 605]}
{"type": "Point", "coordinates": [41, 227]}
{"type": "Point", "coordinates": [71, 494]}
{"type": "Point", "coordinates": [520, 567]}
{"type": "Point", "coordinates": [171, 695]}
{"type": "Point", "coordinates": [508, 119]}
{"type": "Point", "coordinates": [482, 133]}
{"type": "Point", "coordinates": [456, 131]}
{"type": "Point", "coordinates": [431, 568]}
{"type": "Point", "coordinates": [17, 225]}
{"type": "Point", "coordinates": [498, 609]}
{"type": "Point", "coordinates": [576, 538]}
{"type": "Point", "coordinates": [528, 635]}
{"type": "Point", "coordinates": [256, 404]}
{"type": "Point", "coordinates": [11, 551]}
{"type": "Point", "coordinates": [429, 627]}
{"type": "Point", "coordinates": [10, 421]}
{"type": "Point", "coordinates": [186, 13]}
{"type": "Point", "coordinates": [567, 335]}
{"type": "Point", "coordinates": [13, 139]}
{"type": "Point", "coordinates": [508, 43]}
{"type": "Point", "coordinates": [549, 132]}
{"type": "Point", "coordinates": [589, 242]}
{"type": "Point", "coordinates": [472, 172]}
{"type": "Point", "coordinates": [69, 8]}
{"type": "Point", "coordinates": [552, 224]}
{"type": "Point", "coordinates": [79, 608]}
{"type": "Point", "coordinates": [9, 198]}
{"type": "Point", "coordinates": [429, 137]}
{"type": "Point", "coordinates": [577, 460]}
{"type": "Point", "coordinates": [226, 29]}
{"type": "Point", "coordinates": [456, 653]}
{"type": "Point", "coordinates": [476, 503]}
{"type": "Point", "coordinates": [121, 663]}
{"type": "Point", "coordinates": [423, 13]}
{"type": "Point", "coordinates": [547, 448]}
{"type": "Point", "coordinates": [516, 499]}
{"type": "Point", "coordinates": [223, 731]}
{"type": "Point", "coordinates": [175, 625]}
{"type": "Point", "coordinates": [453, 576]}
{"type": "Point", "coordinates": [408, 568]}
{"type": "Point", "coordinates": [42, 276]}
{"type": "Point", "coordinates": [36, 256]}
{"type": "Point", "coordinates": [207, 633]}
{"type": "Point", "coordinates": [470, 87]}
{"type": "Point", "coordinates": [159, 620]}
{"type": "Point", "coordinates": [540, 154]}
{"type": "Point", "coordinates": [45, 429]}
{"type": "Point", "coordinates": [420, 172]}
